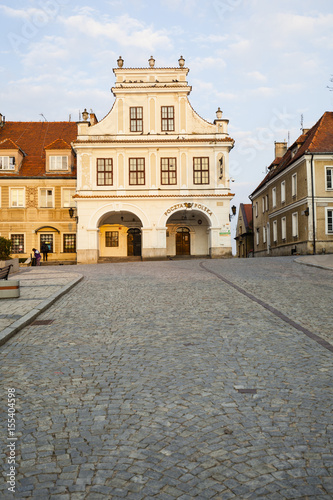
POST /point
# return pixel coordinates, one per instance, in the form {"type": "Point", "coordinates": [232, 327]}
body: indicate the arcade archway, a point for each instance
{"type": "Point", "coordinates": [120, 234]}
{"type": "Point", "coordinates": [188, 233]}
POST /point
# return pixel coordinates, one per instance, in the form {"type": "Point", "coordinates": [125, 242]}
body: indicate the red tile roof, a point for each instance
{"type": "Point", "coordinates": [318, 139]}
{"type": "Point", "coordinates": [247, 215]}
{"type": "Point", "coordinates": [33, 138]}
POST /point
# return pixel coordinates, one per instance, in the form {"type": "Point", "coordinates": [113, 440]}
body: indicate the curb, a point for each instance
{"type": "Point", "coordinates": [318, 266]}
{"type": "Point", "coordinates": [28, 318]}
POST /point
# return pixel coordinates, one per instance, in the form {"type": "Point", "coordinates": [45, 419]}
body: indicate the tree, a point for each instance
{"type": "Point", "coordinates": [5, 248]}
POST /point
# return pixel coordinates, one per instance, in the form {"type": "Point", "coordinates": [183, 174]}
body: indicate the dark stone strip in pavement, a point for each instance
{"type": "Point", "coordinates": [277, 313]}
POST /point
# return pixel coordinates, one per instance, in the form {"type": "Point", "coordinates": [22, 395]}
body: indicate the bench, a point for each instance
{"type": "Point", "coordinates": [4, 271]}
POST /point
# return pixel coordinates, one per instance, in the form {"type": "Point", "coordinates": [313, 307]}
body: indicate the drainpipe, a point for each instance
{"type": "Point", "coordinates": [313, 209]}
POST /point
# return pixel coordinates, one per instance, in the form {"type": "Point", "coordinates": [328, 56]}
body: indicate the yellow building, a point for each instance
{"type": "Point", "coordinates": [293, 205]}
{"type": "Point", "coordinates": [37, 183]}
{"type": "Point", "coordinates": [153, 176]}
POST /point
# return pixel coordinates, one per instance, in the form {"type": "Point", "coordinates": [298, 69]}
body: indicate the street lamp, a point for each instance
{"type": "Point", "coordinates": [233, 212]}
{"type": "Point", "coordinates": [71, 212]}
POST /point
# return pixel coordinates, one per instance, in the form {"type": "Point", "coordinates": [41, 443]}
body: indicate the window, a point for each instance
{"type": "Point", "coordinates": [294, 185]}
{"type": "Point", "coordinates": [104, 172]}
{"type": "Point", "coordinates": [274, 197]}
{"type": "Point", "coordinates": [329, 178]}
{"type": "Point", "coordinates": [58, 162]}
{"type": "Point", "coordinates": [294, 224]}
{"type": "Point", "coordinates": [283, 228]}
{"type": "Point", "coordinates": [329, 219]}
{"type": "Point", "coordinates": [48, 240]}
{"type": "Point", "coordinates": [17, 197]}
{"type": "Point", "coordinates": [266, 202]}
{"type": "Point", "coordinates": [67, 198]}
{"type": "Point", "coordinates": [168, 171]}
{"type": "Point", "coordinates": [256, 209]}
{"type": "Point", "coordinates": [69, 243]}
{"type": "Point", "coordinates": [257, 237]}
{"type": "Point", "coordinates": [283, 191]}
{"type": "Point", "coordinates": [7, 162]}
{"type": "Point", "coordinates": [111, 238]}
{"type": "Point", "coordinates": [168, 123]}
{"type": "Point", "coordinates": [264, 234]}
{"type": "Point", "coordinates": [275, 231]}
{"type": "Point", "coordinates": [201, 170]}
{"type": "Point", "coordinates": [136, 171]}
{"type": "Point", "coordinates": [17, 243]}
{"type": "Point", "coordinates": [263, 204]}
{"type": "Point", "coordinates": [46, 198]}
{"type": "Point", "coordinates": [136, 119]}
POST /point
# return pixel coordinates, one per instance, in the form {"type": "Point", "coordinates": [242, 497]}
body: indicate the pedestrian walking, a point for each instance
{"type": "Point", "coordinates": [45, 250]}
{"type": "Point", "coordinates": [37, 256]}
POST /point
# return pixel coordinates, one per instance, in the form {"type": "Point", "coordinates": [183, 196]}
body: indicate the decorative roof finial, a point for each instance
{"type": "Point", "coordinates": [151, 62]}
{"type": "Point", "coordinates": [120, 62]}
{"type": "Point", "coordinates": [219, 114]}
{"type": "Point", "coordinates": [181, 61]}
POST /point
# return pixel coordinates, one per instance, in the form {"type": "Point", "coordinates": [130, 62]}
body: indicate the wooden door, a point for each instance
{"type": "Point", "coordinates": [183, 241]}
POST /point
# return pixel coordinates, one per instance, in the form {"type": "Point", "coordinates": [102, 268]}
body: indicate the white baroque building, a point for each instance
{"type": "Point", "coordinates": [153, 176]}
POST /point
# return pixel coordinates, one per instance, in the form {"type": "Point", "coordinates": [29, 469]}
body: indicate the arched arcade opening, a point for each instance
{"type": "Point", "coordinates": [120, 234]}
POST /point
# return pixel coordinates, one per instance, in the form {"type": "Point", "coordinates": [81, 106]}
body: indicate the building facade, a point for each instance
{"type": "Point", "coordinates": [293, 205]}
{"type": "Point", "coordinates": [37, 183]}
{"type": "Point", "coordinates": [153, 176]}
{"type": "Point", "coordinates": [244, 231]}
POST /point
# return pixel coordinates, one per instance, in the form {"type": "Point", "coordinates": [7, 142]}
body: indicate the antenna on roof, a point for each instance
{"type": "Point", "coordinates": [41, 114]}
{"type": "Point", "coordinates": [302, 122]}
{"type": "Point", "coordinates": [288, 138]}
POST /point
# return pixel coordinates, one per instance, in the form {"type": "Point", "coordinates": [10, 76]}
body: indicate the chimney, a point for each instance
{"type": "Point", "coordinates": [280, 149]}
{"type": "Point", "coordinates": [2, 120]}
{"type": "Point", "coordinates": [93, 119]}
{"type": "Point", "coordinates": [305, 131]}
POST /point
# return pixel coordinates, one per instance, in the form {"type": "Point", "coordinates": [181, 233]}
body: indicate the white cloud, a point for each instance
{"type": "Point", "coordinates": [256, 75]}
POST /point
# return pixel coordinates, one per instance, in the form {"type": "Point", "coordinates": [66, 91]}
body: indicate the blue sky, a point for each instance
{"type": "Point", "coordinates": [264, 63]}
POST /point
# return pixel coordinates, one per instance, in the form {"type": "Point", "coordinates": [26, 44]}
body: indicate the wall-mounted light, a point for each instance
{"type": "Point", "coordinates": [233, 212]}
{"type": "Point", "coordinates": [71, 212]}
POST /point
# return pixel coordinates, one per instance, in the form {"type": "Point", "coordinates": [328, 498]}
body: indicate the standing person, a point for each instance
{"type": "Point", "coordinates": [44, 250]}
{"type": "Point", "coordinates": [37, 256]}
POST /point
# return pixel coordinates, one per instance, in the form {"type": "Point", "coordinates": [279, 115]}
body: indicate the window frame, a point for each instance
{"type": "Point", "coordinates": [64, 248]}
{"type": "Point", "coordinates": [264, 234]}
{"type": "Point", "coordinates": [135, 120]}
{"type": "Point", "coordinates": [284, 228]}
{"type": "Point", "coordinates": [170, 120]}
{"type": "Point", "coordinates": [114, 237]}
{"type": "Point", "coordinates": [137, 171]}
{"type": "Point", "coordinates": [201, 170]}
{"type": "Point", "coordinates": [20, 235]}
{"type": "Point", "coordinates": [267, 202]}
{"type": "Point", "coordinates": [283, 191]}
{"type": "Point", "coordinates": [169, 172]}
{"type": "Point", "coordinates": [274, 197]}
{"type": "Point", "coordinates": [327, 222]}
{"type": "Point", "coordinates": [11, 197]}
{"type": "Point", "coordinates": [44, 237]}
{"type": "Point", "coordinates": [104, 172]}
{"type": "Point", "coordinates": [56, 168]}
{"type": "Point", "coordinates": [46, 198]}
{"type": "Point", "coordinates": [275, 232]}
{"type": "Point", "coordinates": [294, 185]}
{"type": "Point", "coordinates": [71, 202]}
{"type": "Point", "coordinates": [328, 168]}
{"type": "Point", "coordinates": [11, 166]}
{"type": "Point", "coordinates": [263, 204]}
{"type": "Point", "coordinates": [258, 236]}
{"type": "Point", "coordinates": [294, 224]}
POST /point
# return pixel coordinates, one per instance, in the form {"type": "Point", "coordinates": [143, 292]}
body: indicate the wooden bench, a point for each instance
{"type": "Point", "coordinates": [4, 271]}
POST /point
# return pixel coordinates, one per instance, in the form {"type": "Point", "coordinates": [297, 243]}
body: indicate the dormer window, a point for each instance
{"type": "Point", "coordinates": [58, 163]}
{"type": "Point", "coordinates": [7, 162]}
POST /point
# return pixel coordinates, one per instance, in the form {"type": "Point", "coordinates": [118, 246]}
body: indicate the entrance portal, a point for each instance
{"type": "Point", "coordinates": [134, 242]}
{"type": "Point", "coordinates": [183, 241]}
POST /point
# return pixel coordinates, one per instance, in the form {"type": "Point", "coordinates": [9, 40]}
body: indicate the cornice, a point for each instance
{"type": "Point", "coordinates": [154, 196]}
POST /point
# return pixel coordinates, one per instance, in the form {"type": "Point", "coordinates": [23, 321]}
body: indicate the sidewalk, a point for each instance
{"type": "Point", "coordinates": [322, 261]}
{"type": "Point", "coordinates": [39, 289]}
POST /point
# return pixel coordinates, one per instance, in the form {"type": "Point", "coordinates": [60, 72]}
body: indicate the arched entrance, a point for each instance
{"type": "Point", "coordinates": [119, 235]}
{"type": "Point", "coordinates": [183, 241]}
{"type": "Point", "coordinates": [134, 242]}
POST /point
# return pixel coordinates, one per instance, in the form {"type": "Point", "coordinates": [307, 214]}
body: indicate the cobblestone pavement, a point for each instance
{"type": "Point", "coordinates": [163, 380]}
{"type": "Point", "coordinates": [39, 288]}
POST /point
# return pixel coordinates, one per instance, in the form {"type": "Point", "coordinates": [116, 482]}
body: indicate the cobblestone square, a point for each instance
{"type": "Point", "coordinates": [207, 379]}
